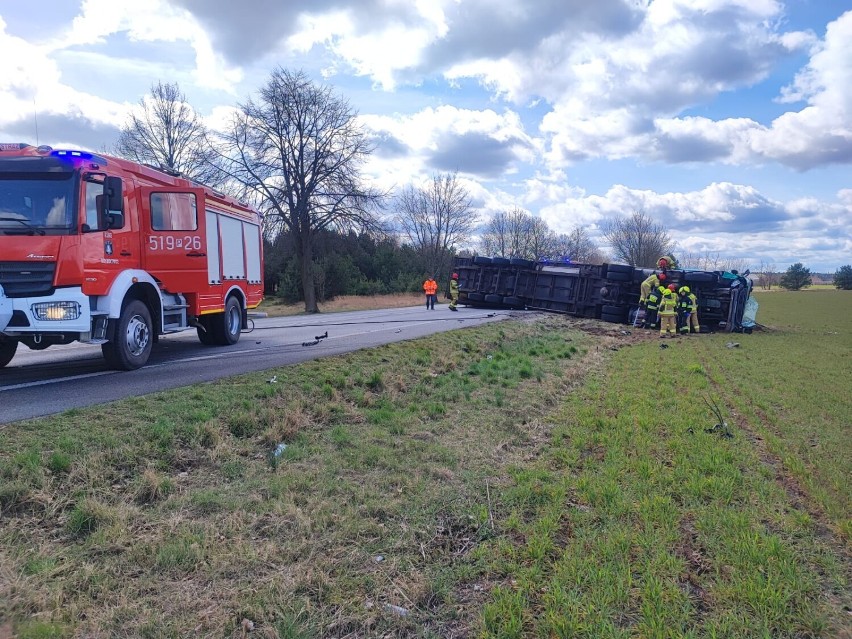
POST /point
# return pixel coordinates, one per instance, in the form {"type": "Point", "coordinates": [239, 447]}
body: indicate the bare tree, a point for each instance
{"type": "Point", "coordinates": [712, 261]}
{"type": "Point", "coordinates": [516, 233]}
{"type": "Point", "coordinates": [579, 246]}
{"type": "Point", "coordinates": [166, 132]}
{"type": "Point", "coordinates": [636, 239]}
{"type": "Point", "coordinates": [767, 275]}
{"type": "Point", "coordinates": [436, 218]}
{"type": "Point", "coordinates": [299, 150]}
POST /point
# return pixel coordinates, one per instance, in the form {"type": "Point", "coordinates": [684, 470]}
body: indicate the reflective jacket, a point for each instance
{"type": "Point", "coordinates": [430, 286]}
{"type": "Point", "coordinates": [668, 306]}
{"type": "Point", "coordinates": [688, 303]}
{"type": "Point", "coordinates": [649, 284]}
{"type": "Point", "coordinates": [654, 298]}
{"type": "Point", "coordinates": [454, 289]}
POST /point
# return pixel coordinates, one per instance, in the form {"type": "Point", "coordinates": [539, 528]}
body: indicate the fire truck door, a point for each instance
{"type": "Point", "coordinates": [105, 251]}
{"type": "Point", "coordinates": [174, 241]}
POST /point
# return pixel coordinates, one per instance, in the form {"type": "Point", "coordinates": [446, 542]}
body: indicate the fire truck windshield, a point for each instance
{"type": "Point", "coordinates": [43, 203]}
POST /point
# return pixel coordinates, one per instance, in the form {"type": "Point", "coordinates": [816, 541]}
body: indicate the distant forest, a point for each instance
{"type": "Point", "coordinates": [346, 264]}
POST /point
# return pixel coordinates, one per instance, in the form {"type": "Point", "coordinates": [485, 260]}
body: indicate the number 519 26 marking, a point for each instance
{"type": "Point", "coordinates": [172, 242]}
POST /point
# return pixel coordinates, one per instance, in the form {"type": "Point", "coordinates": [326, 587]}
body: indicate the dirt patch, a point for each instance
{"type": "Point", "coordinates": [695, 565]}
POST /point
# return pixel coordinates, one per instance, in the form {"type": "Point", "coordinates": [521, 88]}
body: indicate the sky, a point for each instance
{"type": "Point", "coordinates": [729, 122]}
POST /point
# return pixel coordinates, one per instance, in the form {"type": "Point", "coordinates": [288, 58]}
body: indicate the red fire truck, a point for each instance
{"type": "Point", "coordinates": [105, 251]}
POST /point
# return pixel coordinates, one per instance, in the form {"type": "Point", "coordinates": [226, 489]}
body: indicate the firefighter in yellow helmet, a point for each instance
{"type": "Point", "coordinates": [668, 313]}
{"type": "Point", "coordinates": [688, 311]}
{"type": "Point", "coordinates": [454, 291]}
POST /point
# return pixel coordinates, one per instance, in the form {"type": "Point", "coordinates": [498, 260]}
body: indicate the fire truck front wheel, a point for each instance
{"type": "Point", "coordinates": [131, 344]}
{"type": "Point", "coordinates": [225, 327]}
{"type": "Point", "coordinates": [7, 350]}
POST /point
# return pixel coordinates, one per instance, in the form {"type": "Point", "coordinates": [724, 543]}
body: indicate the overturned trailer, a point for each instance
{"type": "Point", "coordinates": [609, 292]}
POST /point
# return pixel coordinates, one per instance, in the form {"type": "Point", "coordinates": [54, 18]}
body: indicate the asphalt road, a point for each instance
{"type": "Point", "coordinates": [38, 383]}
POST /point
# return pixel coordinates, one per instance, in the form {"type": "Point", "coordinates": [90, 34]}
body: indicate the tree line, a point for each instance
{"type": "Point", "coordinates": [296, 152]}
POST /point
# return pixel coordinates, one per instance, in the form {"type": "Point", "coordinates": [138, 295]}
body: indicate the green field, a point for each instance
{"type": "Point", "coordinates": [547, 477]}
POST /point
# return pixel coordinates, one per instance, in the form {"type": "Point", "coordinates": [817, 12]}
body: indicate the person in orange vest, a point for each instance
{"type": "Point", "coordinates": [430, 286]}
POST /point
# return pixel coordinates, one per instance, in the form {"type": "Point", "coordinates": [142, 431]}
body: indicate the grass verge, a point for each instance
{"type": "Point", "coordinates": [521, 479]}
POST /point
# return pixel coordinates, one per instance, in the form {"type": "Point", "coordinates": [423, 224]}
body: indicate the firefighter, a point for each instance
{"type": "Point", "coordinates": [668, 314]}
{"type": "Point", "coordinates": [430, 287]}
{"type": "Point", "coordinates": [654, 281]}
{"type": "Point", "coordinates": [688, 308]}
{"type": "Point", "coordinates": [667, 262]}
{"type": "Point", "coordinates": [652, 305]}
{"type": "Point", "coordinates": [454, 291]}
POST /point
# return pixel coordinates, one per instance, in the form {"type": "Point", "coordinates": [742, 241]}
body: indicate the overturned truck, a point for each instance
{"type": "Point", "coordinates": [609, 292]}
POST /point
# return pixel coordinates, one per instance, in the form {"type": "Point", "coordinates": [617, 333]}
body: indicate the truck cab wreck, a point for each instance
{"type": "Point", "coordinates": [109, 252]}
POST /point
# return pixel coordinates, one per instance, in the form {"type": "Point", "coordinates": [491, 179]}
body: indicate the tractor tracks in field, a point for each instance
{"type": "Point", "coordinates": [798, 496]}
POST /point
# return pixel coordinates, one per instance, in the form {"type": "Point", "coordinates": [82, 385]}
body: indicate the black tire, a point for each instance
{"type": "Point", "coordinates": [699, 277]}
{"type": "Point", "coordinates": [500, 261]}
{"type": "Point", "coordinates": [640, 275]}
{"type": "Point", "coordinates": [205, 331]}
{"type": "Point", "coordinates": [482, 261]}
{"type": "Point", "coordinates": [7, 350]}
{"type": "Point", "coordinates": [619, 268]}
{"type": "Point", "coordinates": [520, 261]}
{"type": "Point", "coordinates": [494, 299]}
{"type": "Point", "coordinates": [132, 338]}
{"type": "Point", "coordinates": [515, 302]}
{"type": "Point", "coordinates": [614, 319]}
{"type": "Point", "coordinates": [475, 297]}
{"type": "Point", "coordinates": [619, 311]}
{"type": "Point", "coordinates": [619, 277]}
{"type": "Point", "coordinates": [226, 326]}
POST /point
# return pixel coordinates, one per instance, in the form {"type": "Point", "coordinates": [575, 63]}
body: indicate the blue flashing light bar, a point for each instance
{"type": "Point", "coordinates": [65, 153]}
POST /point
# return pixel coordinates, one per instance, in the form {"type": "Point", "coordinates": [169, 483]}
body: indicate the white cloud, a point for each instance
{"type": "Point", "coordinates": [737, 221]}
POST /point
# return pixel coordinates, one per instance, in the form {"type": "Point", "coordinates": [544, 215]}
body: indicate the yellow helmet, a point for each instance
{"type": "Point", "coordinates": [668, 292]}
{"type": "Point", "coordinates": [683, 289]}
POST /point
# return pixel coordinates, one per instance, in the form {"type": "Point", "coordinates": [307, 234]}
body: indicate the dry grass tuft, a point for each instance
{"type": "Point", "coordinates": [275, 308]}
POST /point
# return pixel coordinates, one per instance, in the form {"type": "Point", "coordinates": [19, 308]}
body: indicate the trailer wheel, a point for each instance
{"type": "Point", "coordinates": [500, 261]}
{"type": "Point", "coordinates": [522, 262]}
{"type": "Point", "coordinates": [494, 299]}
{"type": "Point", "coordinates": [613, 319]}
{"type": "Point", "coordinates": [482, 260]}
{"type": "Point", "coordinates": [227, 326]}
{"type": "Point", "coordinates": [618, 311]}
{"type": "Point", "coordinates": [515, 302]}
{"type": "Point", "coordinates": [618, 276]}
{"type": "Point", "coordinates": [7, 350]}
{"type": "Point", "coordinates": [619, 268]}
{"type": "Point", "coordinates": [131, 344]}
{"type": "Point", "coordinates": [475, 297]}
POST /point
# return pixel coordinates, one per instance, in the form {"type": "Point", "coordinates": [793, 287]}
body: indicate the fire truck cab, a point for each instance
{"type": "Point", "coordinates": [106, 251]}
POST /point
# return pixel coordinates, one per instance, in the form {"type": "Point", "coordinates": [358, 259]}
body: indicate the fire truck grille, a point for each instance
{"type": "Point", "coordinates": [27, 279]}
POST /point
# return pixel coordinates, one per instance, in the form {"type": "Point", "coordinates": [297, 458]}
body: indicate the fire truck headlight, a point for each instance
{"type": "Point", "coordinates": [56, 311]}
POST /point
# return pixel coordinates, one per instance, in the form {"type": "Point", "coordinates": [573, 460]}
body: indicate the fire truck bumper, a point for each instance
{"type": "Point", "coordinates": [66, 312]}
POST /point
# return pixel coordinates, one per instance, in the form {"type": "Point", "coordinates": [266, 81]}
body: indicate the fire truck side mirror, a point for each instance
{"type": "Point", "coordinates": [113, 202]}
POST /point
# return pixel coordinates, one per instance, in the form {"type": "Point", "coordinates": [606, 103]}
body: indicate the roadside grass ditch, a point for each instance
{"type": "Point", "coordinates": [537, 477]}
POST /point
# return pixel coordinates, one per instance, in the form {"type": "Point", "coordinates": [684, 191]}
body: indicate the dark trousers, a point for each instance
{"type": "Point", "coordinates": [650, 317]}
{"type": "Point", "coordinates": [430, 301]}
